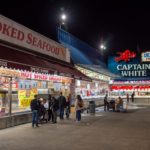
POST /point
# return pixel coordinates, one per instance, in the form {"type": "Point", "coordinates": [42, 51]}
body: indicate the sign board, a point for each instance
{"type": "Point", "coordinates": [145, 56]}
{"type": "Point", "coordinates": [17, 34]}
{"type": "Point", "coordinates": [128, 65]}
{"type": "Point", "coordinates": [92, 74]}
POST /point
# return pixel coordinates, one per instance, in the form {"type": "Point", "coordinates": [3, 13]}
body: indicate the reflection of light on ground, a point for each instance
{"type": "Point", "coordinates": [99, 109]}
{"type": "Point", "coordinates": [130, 106]}
{"type": "Point", "coordinates": [94, 115]}
{"type": "Point", "coordinates": [138, 105]}
{"type": "Point", "coordinates": [135, 107]}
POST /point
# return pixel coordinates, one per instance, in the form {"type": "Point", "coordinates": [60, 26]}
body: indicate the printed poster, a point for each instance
{"type": "Point", "coordinates": [25, 97]}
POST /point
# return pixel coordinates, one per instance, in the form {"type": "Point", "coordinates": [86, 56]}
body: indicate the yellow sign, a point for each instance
{"type": "Point", "coordinates": [8, 72]}
{"type": "Point", "coordinates": [25, 97]}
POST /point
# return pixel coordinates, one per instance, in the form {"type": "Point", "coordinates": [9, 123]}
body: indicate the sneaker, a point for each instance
{"type": "Point", "coordinates": [77, 121]}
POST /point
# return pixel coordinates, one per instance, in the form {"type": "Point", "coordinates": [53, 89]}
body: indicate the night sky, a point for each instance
{"type": "Point", "coordinates": [121, 24]}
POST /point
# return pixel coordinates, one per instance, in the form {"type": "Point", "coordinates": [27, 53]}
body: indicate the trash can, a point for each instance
{"type": "Point", "coordinates": [92, 107]}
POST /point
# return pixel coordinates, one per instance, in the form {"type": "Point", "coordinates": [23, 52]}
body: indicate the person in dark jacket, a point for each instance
{"type": "Point", "coordinates": [106, 103]}
{"type": "Point", "coordinates": [127, 97]}
{"type": "Point", "coordinates": [62, 105]}
{"type": "Point", "coordinates": [55, 107]}
{"type": "Point", "coordinates": [132, 97]}
{"type": "Point", "coordinates": [68, 102]}
{"type": "Point", "coordinates": [35, 109]}
{"type": "Point", "coordinates": [49, 108]}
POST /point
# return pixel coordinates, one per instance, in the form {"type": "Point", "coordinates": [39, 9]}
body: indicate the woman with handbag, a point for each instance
{"type": "Point", "coordinates": [79, 105]}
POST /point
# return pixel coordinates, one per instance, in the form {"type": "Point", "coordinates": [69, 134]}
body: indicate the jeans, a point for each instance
{"type": "Point", "coordinates": [34, 118]}
{"type": "Point", "coordinates": [78, 115]}
{"type": "Point", "coordinates": [61, 113]}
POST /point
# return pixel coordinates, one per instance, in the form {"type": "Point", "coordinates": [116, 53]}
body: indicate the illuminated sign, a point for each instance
{"type": "Point", "coordinates": [93, 74]}
{"type": "Point", "coordinates": [40, 70]}
{"type": "Point", "coordinates": [34, 76]}
{"type": "Point", "coordinates": [44, 77]}
{"type": "Point", "coordinates": [146, 56]}
{"type": "Point", "coordinates": [8, 72]}
{"type": "Point", "coordinates": [125, 56]}
{"type": "Point", "coordinates": [17, 34]}
{"type": "Point", "coordinates": [133, 70]}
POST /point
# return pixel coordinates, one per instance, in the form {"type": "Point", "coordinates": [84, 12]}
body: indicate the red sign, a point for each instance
{"type": "Point", "coordinates": [45, 77]}
{"type": "Point", "coordinates": [125, 56]}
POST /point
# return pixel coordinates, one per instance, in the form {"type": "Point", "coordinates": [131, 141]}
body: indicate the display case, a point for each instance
{"type": "Point", "coordinates": [140, 88]}
{"type": "Point", "coordinates": [88, 90]}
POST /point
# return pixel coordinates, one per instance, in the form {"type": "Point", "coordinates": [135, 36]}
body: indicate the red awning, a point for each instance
{"type": "Point", "coordinates": [30, 62]}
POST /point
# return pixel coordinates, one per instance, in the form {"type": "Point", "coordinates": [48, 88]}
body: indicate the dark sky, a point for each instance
{"type": "Point", "coordinates": [122, 24]}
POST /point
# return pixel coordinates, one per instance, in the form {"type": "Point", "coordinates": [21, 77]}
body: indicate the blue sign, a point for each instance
{"type": "Point", "coordinates": [133, 68]}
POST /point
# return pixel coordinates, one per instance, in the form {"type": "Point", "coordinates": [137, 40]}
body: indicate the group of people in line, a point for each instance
{"type": "Point", "coordinates": [117, 104]}
{"type": "Point", "coordinates": [48, 110]}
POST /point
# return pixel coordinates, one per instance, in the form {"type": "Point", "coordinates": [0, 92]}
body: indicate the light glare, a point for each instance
{"type": "Point", "coordinates": [63, 17]}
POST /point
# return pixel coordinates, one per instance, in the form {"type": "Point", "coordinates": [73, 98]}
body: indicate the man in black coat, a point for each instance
{"type": "Point", "coordinates": [55, 107]}
{"type": "Point", "coordinates": [62, 105]}
{"type": "Point", "coordinates": [35, 110]}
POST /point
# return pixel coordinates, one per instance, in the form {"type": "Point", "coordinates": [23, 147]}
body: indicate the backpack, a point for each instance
{"type": "Point", "coordinates": [80, 103]}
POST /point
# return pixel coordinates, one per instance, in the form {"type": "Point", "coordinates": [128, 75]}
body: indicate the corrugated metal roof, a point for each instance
{"type": "Point", "coordinates": [83, 54]}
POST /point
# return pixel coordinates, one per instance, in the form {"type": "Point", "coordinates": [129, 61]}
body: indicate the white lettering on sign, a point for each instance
{"type": "Point", "coordinates": [145, 56]}
{"type": "Point", "coordinates": [133, 73]}
{"type": "Point", "coordinates": [17, 34]}
{"type": "Point", "coordinates": [134, 70]}
{"type": "Point", "coordinates": [40, 70]}
{"type": "Point", "coordinates": [134, 67]}
{"type": "Point", "coordinates": [44, 77]}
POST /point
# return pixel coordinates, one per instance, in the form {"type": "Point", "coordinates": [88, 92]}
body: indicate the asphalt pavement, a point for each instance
{"type": "Point", "coordinates": [102, 131]}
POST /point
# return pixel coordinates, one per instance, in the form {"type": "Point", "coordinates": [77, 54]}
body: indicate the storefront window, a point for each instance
{"type": "Point", "coordinates": [93, 89]}
{"type": "Point", "coordinates": [22, 96]}
{"type": "Point", "coordinates": [4, 96]}
{"type": "Point", "coordinates": [17, 92]}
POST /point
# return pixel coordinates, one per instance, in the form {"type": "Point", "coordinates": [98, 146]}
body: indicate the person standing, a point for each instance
{"type": "Point", "coordinates": [78, 107]}
{"type": "Point", "coordinates": [127, 97]}
{"type": "Point", "coordinates": [68, 103]}
{"type": "Point", "coordinates": [35, 110]}
{"type": "Point", "coordinates": [62, 105]}
{"type": "Point", "coordinates": [55, 107]}
{"type": "Point", "coordinates": [132, 97]}
{"type": "Point", "coordinates": [49, 107]}
{"type": "Point", "coordinates": [106, 104]}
